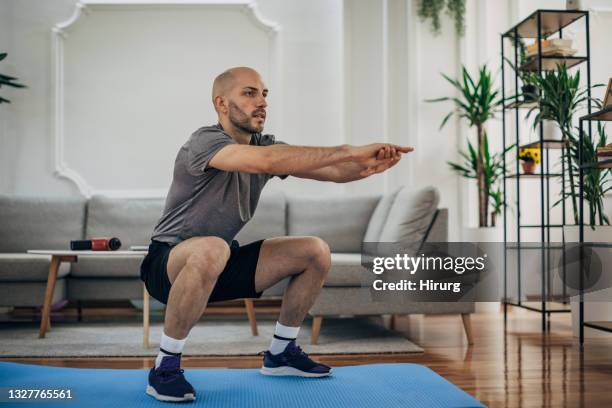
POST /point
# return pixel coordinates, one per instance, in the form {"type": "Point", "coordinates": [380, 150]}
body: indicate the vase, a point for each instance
{"type": "Point", "coordinates": [530, 93]}
{"type": "Point", "coordinates": [529, 167]}
{"type": "Point", "coordinates": [551, 130]}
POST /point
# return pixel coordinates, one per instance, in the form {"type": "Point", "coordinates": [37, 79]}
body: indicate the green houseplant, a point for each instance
{"type": "Point", "coordinates": [529, 89]}
{"type": "Point", "coordinates": [493, 169]}
{"type": "Point", "coordinates": [560, 98]}
{"type": "Point", "coordinates": [596, 180]}
{"type": "Point", "coordinates": [477, 103]}
{"type": "Point", "coordinates": [8, 81]}
{"type": "Point", "coordinates": [431, 9]}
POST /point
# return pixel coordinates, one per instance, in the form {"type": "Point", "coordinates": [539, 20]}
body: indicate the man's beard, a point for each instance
{"type": "Point", "coordinates": [241, 120]}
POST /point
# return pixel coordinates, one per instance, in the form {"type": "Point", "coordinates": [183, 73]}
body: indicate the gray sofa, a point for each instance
{"type": "Point", "coordinates": [342, 221]}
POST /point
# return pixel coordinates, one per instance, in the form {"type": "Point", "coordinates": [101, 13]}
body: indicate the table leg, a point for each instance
{"type": "Point", "coordinates": [145, 316]}
{"type": "Point", "coordinates": [250, 309]}
{"type": "Point", "coordinates": [45, 321]}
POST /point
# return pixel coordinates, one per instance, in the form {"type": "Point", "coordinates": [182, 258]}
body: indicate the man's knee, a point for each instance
{"type": "Point", "coordinates": [208, 258]}
{"type": "Point", "coordinates": [320, 254]}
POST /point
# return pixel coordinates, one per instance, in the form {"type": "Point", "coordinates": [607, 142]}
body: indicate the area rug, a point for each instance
{"type": "Point", "coordinates": [376, 385]}
{"type": "Point", "coordinates": [211, 338]}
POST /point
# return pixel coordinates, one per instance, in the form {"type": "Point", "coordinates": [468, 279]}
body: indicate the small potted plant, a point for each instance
{"type": "Point", "coordinates": [530, 158]}
{"type": "Point", "coordinates": [529, 90]}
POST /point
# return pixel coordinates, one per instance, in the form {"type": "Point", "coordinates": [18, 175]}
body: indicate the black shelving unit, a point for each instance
{"type": "Point", "coordinates": [600, 116]}
{"type": "Point", "coordinates": [539, 25]}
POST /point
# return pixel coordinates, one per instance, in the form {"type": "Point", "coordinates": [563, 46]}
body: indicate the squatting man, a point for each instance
{"type": "Point", "coordinates": [193, 258]}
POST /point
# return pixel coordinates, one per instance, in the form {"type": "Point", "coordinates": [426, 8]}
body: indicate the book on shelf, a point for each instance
{"type": "Point", "coordinates": [561, 47]}
{"type": "Point", "coordinates": [604, 153]}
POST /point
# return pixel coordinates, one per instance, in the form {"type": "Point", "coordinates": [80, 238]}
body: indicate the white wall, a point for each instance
{"type": "Point", "coordinates": [349, 71]}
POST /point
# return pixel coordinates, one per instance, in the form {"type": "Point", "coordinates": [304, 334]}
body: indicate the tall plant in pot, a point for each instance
{"type": "Point", "coordinates": [477, 103]}
{"type": "Point", "coordinates": [493, 166]}
{"type": "Point", "coordinates": [597, 181]}
{"type": "Point", "coordinates": [560, 98]}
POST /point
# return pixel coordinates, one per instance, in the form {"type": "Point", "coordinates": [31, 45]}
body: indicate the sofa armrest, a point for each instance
{"type": "Point", "coordinates": [438, 230]}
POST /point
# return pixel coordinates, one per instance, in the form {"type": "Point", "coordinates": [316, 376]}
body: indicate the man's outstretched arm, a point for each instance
{"type": "Point", "coordinates": [351, 171]}
{"type": "Point", "coordinates": [282, 159]}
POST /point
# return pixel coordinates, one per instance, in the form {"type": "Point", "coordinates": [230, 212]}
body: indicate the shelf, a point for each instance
{"type": "Point", "coordinates": [540, 226]}
{"type": "Point", "coordinates": [596, 244]}
{"type": "Point", "coordinates": [603, 115]}
{"type": "Point", "coordinates": [547, 143]}
{"type": "Point", "coordinates": [523, 105]}
{"type": "Point", "coordinates": [549, 63]}
{"type": "Point", "coordinates": [533, 176]}
{"type": "Point", "coordinates": [552, 21]}
{"type": "Point", "coordinates": [552, 307]}
{"type": "Point", "coordinates": [605, 326]}
{"type": "Point", "coordinates": [533, 245]}
{"type": "Point", "coordinates": [604, 164]}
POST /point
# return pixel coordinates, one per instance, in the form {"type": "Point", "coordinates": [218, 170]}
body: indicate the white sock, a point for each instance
{"type": "Point", "coordinates": [170, 345]}
{"type": "Point", "coordinates": [282, 336]}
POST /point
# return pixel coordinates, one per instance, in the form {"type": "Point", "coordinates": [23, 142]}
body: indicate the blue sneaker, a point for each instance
{"type": "Point", "coordinates": [167, 382]}
{"type": "Point", "coordinates": [293, 362]}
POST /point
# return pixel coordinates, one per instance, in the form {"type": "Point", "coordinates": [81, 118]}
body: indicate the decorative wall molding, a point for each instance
{"type": "Point", "coordinates": [62, 169]}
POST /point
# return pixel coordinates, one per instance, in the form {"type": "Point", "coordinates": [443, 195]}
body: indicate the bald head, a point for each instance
{"type": "Point", "coordinates": [239, 96]}
{"type": "Point", "coordinates": [229, 79]}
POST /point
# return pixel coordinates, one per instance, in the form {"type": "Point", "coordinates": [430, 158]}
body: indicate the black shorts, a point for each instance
{"type": "Point", "coordinates": [237, 281]}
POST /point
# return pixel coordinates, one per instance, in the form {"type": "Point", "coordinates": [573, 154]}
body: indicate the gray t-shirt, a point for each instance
{"type": "Point", "coordinates": [203, 200]}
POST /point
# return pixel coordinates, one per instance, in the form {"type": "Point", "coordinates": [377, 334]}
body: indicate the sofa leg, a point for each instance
{"type": "Point", "coordinates": [467, 325]}
{"type": "Point", "coordinates": [250, 309]}
{"type": "Point", "coordinates": [79, 311]}
{"type": "Point", "coordinates": [316, 329]}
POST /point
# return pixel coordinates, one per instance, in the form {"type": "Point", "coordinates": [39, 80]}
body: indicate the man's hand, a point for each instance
{"type": "Point", "coordinates": [378, 157]}
{"type": "Point", "coordinates": [376, 151]}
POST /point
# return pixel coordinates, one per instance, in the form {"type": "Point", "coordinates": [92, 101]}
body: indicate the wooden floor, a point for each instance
{"type": "Point", "coordinates": [515, 366]}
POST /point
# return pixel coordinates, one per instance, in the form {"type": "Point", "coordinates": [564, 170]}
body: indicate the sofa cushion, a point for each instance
{"type": "Point", "coordinates": [103, 288]}
{"type": "Point", "coordinates": [40, 223]}
{"type": "Point", "coordinates": [346, 270]}
{"type": "Point", "coordinates": [130, 219]}
{"type": "Point", "coordinates": [379, 217]}
{"type": "Point", "coordinates": [410, 215]}
{"type": "Point", "coordinates": [270, 219]}
{"type": "Point", "coordinates": [339, 221]}
{"type": "Point", "coordinates": [30, 294]}
{"type": "Point", "coordinates": [127, 266]}
{"type": "Point", "coordinates": [28, 267]}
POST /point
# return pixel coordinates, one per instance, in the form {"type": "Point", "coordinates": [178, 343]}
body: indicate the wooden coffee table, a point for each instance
{"type": "Point", "coordinates": [67, 255]}
{"type": "Point", "coordinates": [59, 256]}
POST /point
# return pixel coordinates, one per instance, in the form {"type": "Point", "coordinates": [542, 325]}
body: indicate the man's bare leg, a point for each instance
{"type": "Point", "coordinates": [193, 268]}
{"type": "Point", "coordinates": [307, 260]}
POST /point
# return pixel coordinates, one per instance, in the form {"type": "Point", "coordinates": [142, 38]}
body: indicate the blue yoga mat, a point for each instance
{"type": "Point", "coordinates": [376, 385]}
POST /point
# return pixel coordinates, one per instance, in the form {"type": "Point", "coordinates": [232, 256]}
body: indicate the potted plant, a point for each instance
{"type": "Point", "coordinates": [477, 103]}
{"type": "Point", "coordinates": [8, 81]}
{"type": "Point", "coordinates": [596, 182]}
{"type": "Point", "coordinates": [560, 98]}
{"type": "Point", "coordinates": [493, 166]}
{"type": "Point", "coordinates": [530, 158]}
{"type": "Point", "coordinates": [529, 89]}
